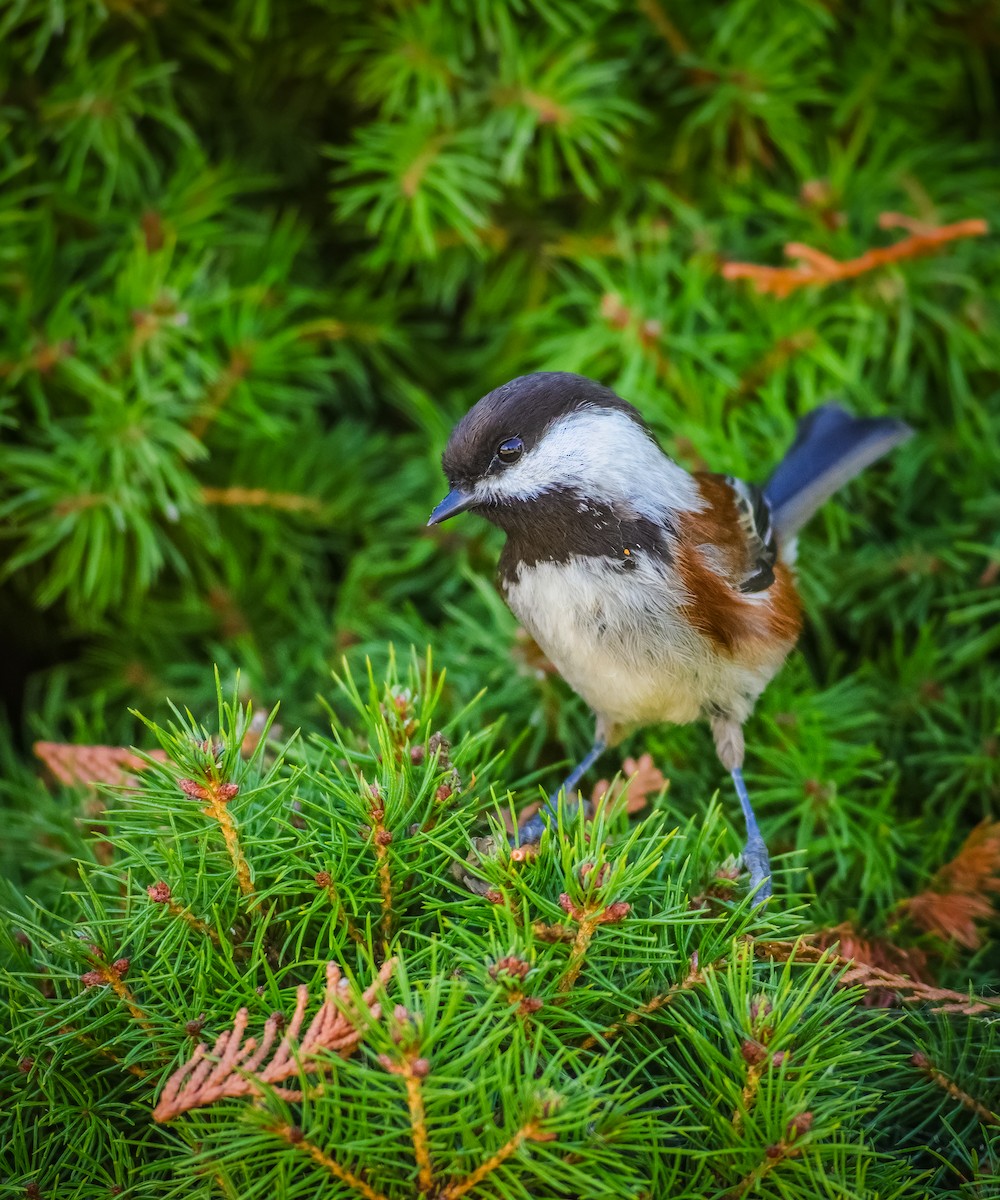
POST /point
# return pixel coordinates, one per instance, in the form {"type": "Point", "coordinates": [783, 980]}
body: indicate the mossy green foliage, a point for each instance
{"type": "Point", "coordinates": [255, 259]}
{"type": "Point", "coordinates": [604, 1019]}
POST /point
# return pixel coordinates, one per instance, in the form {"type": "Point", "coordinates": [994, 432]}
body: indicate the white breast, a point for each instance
{"type": "Point", "coordinates": [619, 641]}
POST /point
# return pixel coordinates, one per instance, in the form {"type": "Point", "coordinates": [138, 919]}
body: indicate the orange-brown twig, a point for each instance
{"type": "Point", "coordinates": [663, 25]}
{"type": "Point", "coordinates": [103, 1051]}
{"type": "Point", "coordinates": [293, 1136]}
{"type": "Point", "coordinates": [816, 269]}
{"type": "Point", "coordinates": [587, 920]}
{"type": "Point", "coordinates": [948, 1085]}
{"type": "Point", "coordinates": [244, 497]}
{"type": "Point", "coordinates": [694, 978]}
{"type": "Point", "coordinates": [774, 1155]}
{"type": "Point", "coordinates": [908, 991]}
{"type": "Point", "coordinates": [74, 765]}
{"type": "Point", "coordinates": [413, 1069]}
{"type": "Point", "coordinates": [112, 975]}
{"type": "Point", "coordinates": [239, 1068]}
{"type": "Point", "coordinates": [216, 796]}
{"type": "Point", "coordinates": [530, 1132]}
{"type": "Point", "coordinates": [160, 893]}
{"type": "Point", "coordinates": [237, 369]}
{"type": "Point", "coordinates": [381, 840]}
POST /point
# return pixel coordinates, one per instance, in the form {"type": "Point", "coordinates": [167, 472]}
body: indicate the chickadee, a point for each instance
{"type": "Point", "coordinates": [659, 595]}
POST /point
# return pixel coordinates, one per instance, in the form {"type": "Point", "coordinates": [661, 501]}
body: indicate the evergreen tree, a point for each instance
{"type": "Point", "coordinates": [255, 259]}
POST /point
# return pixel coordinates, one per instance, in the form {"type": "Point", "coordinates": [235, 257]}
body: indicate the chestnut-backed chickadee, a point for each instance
{"type": "Point", "coordinates": [659, 595]}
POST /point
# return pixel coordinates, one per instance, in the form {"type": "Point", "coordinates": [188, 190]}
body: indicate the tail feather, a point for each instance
{"type": "Point", "coordinates": [830, 448]}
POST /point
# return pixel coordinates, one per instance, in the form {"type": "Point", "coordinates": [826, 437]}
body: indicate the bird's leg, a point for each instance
{"type": "Point", "coordinates": [755, 854]}
{"type": "Point", "coordinates": [531, 830]}
{"type": "Point", "coordinates": [729, 746]}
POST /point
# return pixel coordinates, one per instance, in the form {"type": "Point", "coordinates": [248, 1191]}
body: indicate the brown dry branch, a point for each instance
{"type": "Point", "coordinates": [244, 497]}
{"type": "Point", "coordinates": [948, 1085]}
{"type": "Point", "coordinates": [960, 893]}
{"type": "Point", "coordinates": [694, 978]}
{"type": "Point", "coordinates": [529, 1132]}
{"type": "Point", "coordinates": [216, 796]}
{"type": "Point", "coordinates": [879, 953]}
{"type": "Point", "coordinates": [859, 974]}
{"type": "Point", "coordinates": [241, 1068]}
{"type": "Point", "coordinates": [293, 1136]}
{"type": "Point", "coordinates": [86, 766]}
{"type": "Point", "coordinates": [815, 269]}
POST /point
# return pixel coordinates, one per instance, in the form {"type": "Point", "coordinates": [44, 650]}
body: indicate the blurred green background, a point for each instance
{"type": "Point", "coordinates": [256, 258]}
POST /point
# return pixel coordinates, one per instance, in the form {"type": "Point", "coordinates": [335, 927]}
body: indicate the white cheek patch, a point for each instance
{"type": "Point", "coordinates": [604, 455]}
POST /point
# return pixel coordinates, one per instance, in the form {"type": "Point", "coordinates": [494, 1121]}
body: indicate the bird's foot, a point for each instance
{"type": "Point", "coordinates": [531, 830]}
{"type": "Point", "coordinates": [758, 863]}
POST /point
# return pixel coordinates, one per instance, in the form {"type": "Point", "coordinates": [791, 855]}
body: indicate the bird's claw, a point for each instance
{"type": "Point", "coordinates": [758, 863]}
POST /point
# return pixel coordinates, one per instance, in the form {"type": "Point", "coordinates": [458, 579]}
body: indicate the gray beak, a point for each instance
{"type": "Point", "coordinates": [455, 502]}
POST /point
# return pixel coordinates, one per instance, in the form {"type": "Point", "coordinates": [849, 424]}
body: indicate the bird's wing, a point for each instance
{"type": "Point", "coordinates": [735, 532]}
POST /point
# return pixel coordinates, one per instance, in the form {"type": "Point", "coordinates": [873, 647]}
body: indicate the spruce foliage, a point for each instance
{"type": "Point", "coordinates": [255, 259]}
{"type": "Point", "coordinates": [600, 1018]}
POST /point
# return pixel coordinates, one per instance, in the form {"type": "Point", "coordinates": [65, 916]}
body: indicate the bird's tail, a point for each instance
{"type": "Point", "coordinates": [830, 448]}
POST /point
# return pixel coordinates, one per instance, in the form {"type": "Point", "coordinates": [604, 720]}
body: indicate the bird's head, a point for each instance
{"type": "Point", "coordinates": [552, 432]}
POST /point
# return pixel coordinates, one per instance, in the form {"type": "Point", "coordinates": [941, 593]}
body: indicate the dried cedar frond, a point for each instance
{"type": "Point", "coordinates": [241, 1068]}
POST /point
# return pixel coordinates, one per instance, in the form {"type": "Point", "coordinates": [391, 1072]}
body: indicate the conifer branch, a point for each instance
{"type": "Point", "coordinates": [815, 269]}
{"type": "Point", "coordinates": [244, 497]}
{"type": "Point", "coordinates": [948, 1085]}
{"type": "Point", "coordinates": [235, 371]}
{"type": "Point", "coordinates": [657, 16]}
{"type": "Point", "coordinates": [324, 880]}
{"type": "Point", "coordinates": [774, 1155]}
{"type": "Point", "coordinates": [216, 796]}
{"type": "Point", "coordinates": [112, 975]}
{"type": "Point", "coordinates": [74, 765]}
{"type": "Point", "coordinates": [781, 352]}
{"type": "Point", "coordinates": [103, 1051]}
{"type": "Point", "coordinates": [381, 840]}
{"type": "Point", "coordinates": [412, 1068]}
{"type": "Point", "coordinates": [587, 921]}
{"type": "Point", "coordinates": [160, 893]}
{"type": "Point", "coordinates": [757, 1058]}
{"type": "Point", "coordinates": [908, 991]}
{"type": "Point", "coordinates": [694, 978]}
{"type": "Point", "coordinates": [531, 1131]}
{"type": "Point", "coordinates": [294, 1137]}
{"type": "Point", "coordinates": [240, 1068]}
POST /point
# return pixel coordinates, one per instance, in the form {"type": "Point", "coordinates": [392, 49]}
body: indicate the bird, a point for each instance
{"type": "Point", "coordinates": [660, 595]}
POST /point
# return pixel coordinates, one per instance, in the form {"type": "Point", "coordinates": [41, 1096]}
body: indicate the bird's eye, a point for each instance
{"type": "Point", "coordinates": [510, 450]}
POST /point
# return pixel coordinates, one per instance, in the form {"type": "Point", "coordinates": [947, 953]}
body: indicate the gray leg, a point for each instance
{"type": "Point", "coordinates": [531, 830]}
{"type": "Point", "coordinates": [755, 854]}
